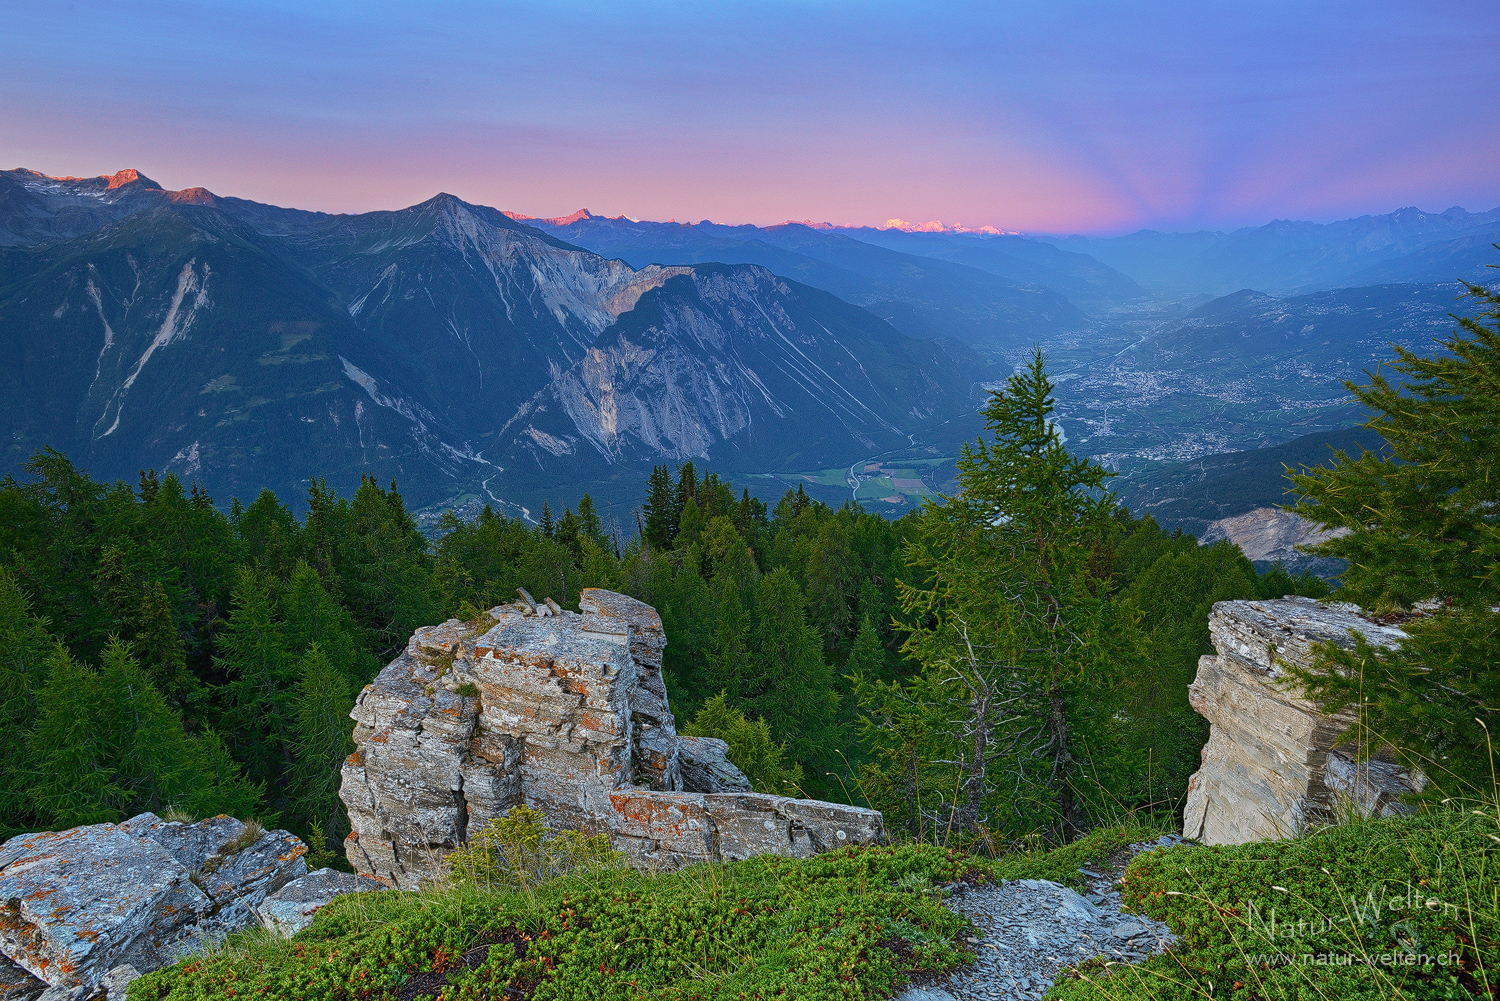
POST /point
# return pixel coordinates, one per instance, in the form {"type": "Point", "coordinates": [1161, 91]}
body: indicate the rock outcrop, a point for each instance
{"type": "Point", "coordinates": [78, 904]}
{"type": "Point", "coordinates": [1273, 763]}
{"type": "Point", "coordinates": [565, 713]}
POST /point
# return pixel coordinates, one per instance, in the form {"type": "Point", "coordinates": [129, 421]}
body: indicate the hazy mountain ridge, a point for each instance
{"type": "Point", "coordinates": [1289, 257]}
{"type": "Point", "coordinates": [921, 295]}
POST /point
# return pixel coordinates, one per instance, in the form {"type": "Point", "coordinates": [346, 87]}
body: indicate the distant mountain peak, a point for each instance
{"type": "Point", "coordinates": [936, 226]}
{"type": "Point", "coordinates": [132, 176]}
{"type": "Point", "coordinates": [562, 220]}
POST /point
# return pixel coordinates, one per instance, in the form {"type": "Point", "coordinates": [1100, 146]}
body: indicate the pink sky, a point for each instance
{"type": "Point", "coordinates": [1082, 117]}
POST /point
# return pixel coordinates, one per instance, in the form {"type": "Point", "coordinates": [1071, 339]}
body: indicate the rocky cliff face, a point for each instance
{"type": "Point", "coordinates": [1273, 763]}
{"type": "Point", "coordinates": [1271, 535]}
{"type": "Point", "coordinates": [565, 713]}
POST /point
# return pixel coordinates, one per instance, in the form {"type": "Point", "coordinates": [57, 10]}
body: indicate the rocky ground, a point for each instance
{"type": "Point", "coordinates": [1030, 930]}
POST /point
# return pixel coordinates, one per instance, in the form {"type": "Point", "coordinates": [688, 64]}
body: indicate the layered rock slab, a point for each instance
{"type": "Point", "coordinates": [566, 713]}
{"type": "Point", "coordinates": [76, 904]}
{"type": "Point", "coordinates": [1273, 764]}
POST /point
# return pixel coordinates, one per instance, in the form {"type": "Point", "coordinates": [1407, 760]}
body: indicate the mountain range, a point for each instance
{"type": "Point", "coordinates": [475, 354]}
{"type": "Point", "coordinates": [444, 345]}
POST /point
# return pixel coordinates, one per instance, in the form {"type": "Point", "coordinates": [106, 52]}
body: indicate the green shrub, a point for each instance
{"type": "Point", "coordinates": [1400, 908]}
{"type": "Point", "coordinates": [852, 924]}
{"type": "Point", "coordinates": [751, 748]}
{"type": "Point", "coordinates": [520, 852]}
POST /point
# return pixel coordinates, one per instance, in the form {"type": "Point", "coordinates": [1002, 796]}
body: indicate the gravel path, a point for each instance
{"type": "Point", "coordinates": [1029, 930]}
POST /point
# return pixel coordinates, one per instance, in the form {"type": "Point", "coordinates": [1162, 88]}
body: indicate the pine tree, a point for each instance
{"type": "Point", "coordinates": [690, 525]}
{"type": "Point", "coordinates": [73, 773]}
{"type": "Point", "coordinates": [1423, 526]}
{"type": "Point", "coordinates": [26, 648]}
{"type": "Point", "coordinates": [322, 742]}
{"type": "Point", "coordinates": [547, 526]}
{"type": "Point", "coordinates": [687, 487]}
{"type": "Point", "coordinates": [107, 745]}
{"type": "Point", "coordinates": [312, 616]}
{"type": "Point", "coordinates": [589, 525]}
{"type": "Point", "coordinates": [158, 643]}
{"type": "Point", "coordinates": [867, 656]}
{"type": "Point", "coordinates": [791, 686]}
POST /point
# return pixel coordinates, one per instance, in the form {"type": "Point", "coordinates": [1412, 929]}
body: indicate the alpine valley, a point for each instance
{"type": "Point", "coordinates": [480, 356]}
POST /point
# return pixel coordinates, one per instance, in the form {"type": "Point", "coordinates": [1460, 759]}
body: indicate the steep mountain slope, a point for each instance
{"type": "Point", "coordinates": [479, 310]}
{"type": "Point", "coordinates": [175, 342]}
{"type": "Point", "coordinates": [921, 296]}
{"type": "Point", "coordinates": [734, 365]}
{"type": "Point", "coordinates": [1284, 256]}
{"type": "Point", "coordinates": [250, 346]}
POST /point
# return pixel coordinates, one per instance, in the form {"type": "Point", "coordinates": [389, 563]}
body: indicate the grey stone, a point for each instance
{"type": "Point", "coordinates": [570, 718]}
{"type": "Point", "coordinates": [17, 983]}
{"type": "Point", "coordinates": [93, 903]}
{"type": "Point", "coordinates": [924, 994]}
{"type": "Point", "coordinates": [706, 766]}
{"type": "Point", "coordinates": [117, 981]}
{"type": "Point", "coordinates": [83, 901]}
{"type": "Point", "coordinates": [1270, 766]}
{"type": "Point", "coordinates": [291, 908]}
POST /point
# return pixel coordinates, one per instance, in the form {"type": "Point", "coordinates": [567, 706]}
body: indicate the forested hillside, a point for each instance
{"type": "Point", "coordinates": [161, 651]}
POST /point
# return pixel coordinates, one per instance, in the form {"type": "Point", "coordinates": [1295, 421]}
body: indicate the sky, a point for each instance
{"type": "Point", "coordinates": [1052, 117]}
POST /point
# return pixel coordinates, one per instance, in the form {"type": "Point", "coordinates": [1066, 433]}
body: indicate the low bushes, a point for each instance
{"type": "Point", "coordinates": [851, 924]}
{"type": "Point", "coordinates": [1403, 908]}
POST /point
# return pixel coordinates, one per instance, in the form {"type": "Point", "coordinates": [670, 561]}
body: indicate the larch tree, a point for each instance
{"type": "Point", "coordinates": [1011, 624]}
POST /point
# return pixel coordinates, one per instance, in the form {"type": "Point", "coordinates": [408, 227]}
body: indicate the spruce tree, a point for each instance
{"type": "Point", "coordinates": [867, 656]}
{"type": "Point", "coordinates": [1423, 540]}
{"type": "Point", "coordinates": [158, 643]}
{"type": "Point", "coordinates": [792, 685]}
{"type": "Point", "coordinates": [589, 525]}
{"type": "Point", "coordinates": [729, 663]}
{"type": "Point", "coordinates": [661, 513]}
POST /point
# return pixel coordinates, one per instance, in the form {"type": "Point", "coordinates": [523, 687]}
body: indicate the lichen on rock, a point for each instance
{"type": "Point", "coordinates": [571, 719]}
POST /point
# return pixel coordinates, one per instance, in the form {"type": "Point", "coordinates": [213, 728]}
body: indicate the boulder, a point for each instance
{"type": "Point", "coordinates": [706, 766]}
{"type": "Point", "coordinates": [1273, 765]}
{"type": "Point", "coordinates": [80, 903]}
{"type": "Point", "coordinates": [291, 908]}
{"type": "Point", "coordinates": [563, 712]}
